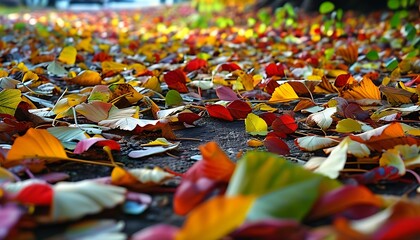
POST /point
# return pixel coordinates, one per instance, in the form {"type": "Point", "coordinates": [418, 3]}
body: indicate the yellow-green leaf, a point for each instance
{"type": "Point", "coordinates": [348, 126]}
{"type": "Point", "coordinates": [68, 55]}
{"type": "Point", "coordinates": [255, 125]}
{"type": "Point", "coordinates": [9, 100]}
{"type": "Point", "coordinates": [215, 218]}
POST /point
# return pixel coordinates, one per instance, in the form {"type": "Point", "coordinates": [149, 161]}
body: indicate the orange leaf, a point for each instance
{"type": "Point", "coordinates": [87, 78]}
{"type": "Point", "coordinates": [348, 52]}
{"type": "Point", "coordinates": [364, 93]}
{"type": "Point", "coordinates": [36, 143]}
{"type": "Point", "coordinates": [216, 218]}
{"type": "Point", "coordinates": [325, 86]}
{"type": "Point", "coordinates": [385, 137]}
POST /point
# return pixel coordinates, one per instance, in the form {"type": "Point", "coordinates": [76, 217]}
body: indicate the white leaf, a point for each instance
{"type": "Point", "coordinates": [128, 123]}
{"type": "Point", "coordinates": [335, 162]}
{"type": "Point", "coordinates": [155, 175]}
{"type": "Point", "coordinates": [313, 143]}
{"type": "Point", "coordinates": [322, 119]}
{"type": "Point", "coordinates": [73, 200]}
{"type": "Point", "coordinates": [147, 151]}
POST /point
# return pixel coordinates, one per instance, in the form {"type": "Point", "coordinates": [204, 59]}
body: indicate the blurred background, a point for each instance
{"type": "Point", "coordinates": [85, 4]}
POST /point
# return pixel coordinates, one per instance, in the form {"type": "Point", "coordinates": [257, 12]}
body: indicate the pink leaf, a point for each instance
{"type": "Point", "coordinates": [226, 93]}
{"type": "Point", "coordinates": [159, 231]}
{"type": "Point", "coordinates": [85, 144]}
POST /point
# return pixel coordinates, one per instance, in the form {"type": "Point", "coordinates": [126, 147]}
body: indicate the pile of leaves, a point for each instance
{"type": "Point", "coordinates": [341, 86]}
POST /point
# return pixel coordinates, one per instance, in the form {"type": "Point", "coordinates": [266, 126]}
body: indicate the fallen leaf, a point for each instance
{"type": "Point", "coordinates": [219, 111]}
{"type": "Point", "coordinates": [147, 151]}
{"type": "Point", "coordinates": [176, 80]}
{"type": "Point", "coordinates": [87, 78]}
{"type": "Point", "coordinates": [313, 143]}
{"type": "Point", "coordinates": [322, 119]}
{"type": "Point", "coordinates": [239, 109]}
{"type": "Point", "coordinates": [68, 55]}
{"type": "Point", "coordinates": [348, 125]}
{"type": "Point", "coordinates": [218, 217]}
{"type": "Point", "coordinates": [86, 144]}
{"type": "Point", "coordinates": [9, 101]}
{"type": "Point", "coordinates": [255, 125]}
{"type": "Point", "coordinates": [284, 93]}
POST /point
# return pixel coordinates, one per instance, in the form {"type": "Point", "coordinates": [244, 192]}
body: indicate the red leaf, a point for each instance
{"type": "Point", "coordinates": [188, 117]}
{"type": "Point", "coordinates": [191, 193]}
{"type": "Point", "coordinates": [270, 229]}
{"type": "Point", "coordinates": [36, 194]}
{"type": "Point", "coordinates": [102, 57]}
{"type": "Point", "coordinates": [273, 69]}
{"type": "Point", "coordinates": [230, 67]}
{"type": "Point", "coordinates": [342, 80]}
{"type": "Point", "coordinates": [239, 109]}
{"type": "Point", "coordinates": [176, 80]}
{"type": "Point", "coordinates": [285, 124]}
{"type": "Point", "coordinates": [226, 93]}
{"type": "Point", "coordinates": [354, 111]}
{"type": "Point", "coordinates": [85, 144]}
{"type": "Point", "coordinates": [341, 199]}
{"type": "Point", "coordinates": [195, 64]}
{"type": "Point", "coordinates": [268, 117]}
{"type": "Point", "coordinates": [205, 176]}
{"type": "Point", "coordinates": [219, 111]}
{"type": "Point", "coordinates": [275, 145]}
{"type": "Point", "coordinates": [271, 86]}
{"type": "Point", "coordinates": [405, 228]}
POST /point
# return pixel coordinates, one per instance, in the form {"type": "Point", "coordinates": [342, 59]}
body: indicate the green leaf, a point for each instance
{"type": "Point", "coordinates": [391, 64]}
{"type": "Point", "coordinates": [9, 100]}
{"type": "Point", "coordinates": [269, 176]}
{"type": "Point", "coordinates": [288, 202]}
{"type": "Point", "coordinates": [372, 55]}
{"type": "Point", "coordinates": [409, 31]}
{"type": "Point", "coordinates": [326, 7]}
{"type": "Point", "coordinates": [290, 10]}
{"type": "Point", "coordinates": [339, 14]}
{"type": "Point", "coordinates": [173, 98]}
{"type": "Point", "coordinates": [393, 4]}
{"type": "Point", "coordinates": [329, 52]}
{"type": "Point", "coordinates": [395, 20]}
{"type": "Point", "coordinates": [264, 16]}
{"type": "Point", "coordinates": [57, 69]}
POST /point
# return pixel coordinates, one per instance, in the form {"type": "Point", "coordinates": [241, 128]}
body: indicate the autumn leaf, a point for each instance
{"type": "Point", "coordinates": [9, 101]}
{"type": "Point", "coordinates": [348, 125]}
{"type": "Point", "coordinates": [226, 93]}
{"type": "Point", "coordinates": [110, 66]}
{"type": "Point", "coordinates": [239, 109]}
{"type": "Point", "coordinates": [348, 52]}
{"type": "Point", "coordinates": [313, 143]}
{"type": "Point", "coordinates": [87, 78]}
{"type": "Point", "coordinates": [285, 124]}
{"type": "Point", "coordinates": [322, 119]}
{"type": "Point", "coordinates": [269, 177]}
{"type": "Point", "coordinates": [397, 96]}
{"type": "Point", "coordinates": [218, 217]}
{"type": "Point", "coordinates": [219, 111]}
{"type": "Point", "coordinates": [176, 80]}
{"type": "Point", "coordinates": [68, 55]}
{"type": "Point", "coordinates": [95, 111]}
{"type": "Point", "coordinates": [275, 144]}
{"type": "Point", "coordinates": [255, 125]}
{"type": "Point", "coordinates": [36, 143]}
{"type": "Point", "coordinates": [284, 93]}
{"type": "Point", "coordinates": [125, 90]}
{"type": "Point", "coordinates": [364, 93]}
{"type": "Point", "coordinates": [195, 64]}
{"type": "Point", "coordinates": [85, 144]}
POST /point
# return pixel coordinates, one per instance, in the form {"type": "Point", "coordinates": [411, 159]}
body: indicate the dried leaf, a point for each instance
{"type": "Point", "coordinates": [87, 78]}
{"type": "Point", "coordinates": [322, 119]}
{"type": "Point", "coordinates": [68, 55]}
{"type": "Point", "coordinates": [9, 101]}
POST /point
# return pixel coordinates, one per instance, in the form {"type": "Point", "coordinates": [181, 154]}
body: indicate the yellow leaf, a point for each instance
{"type": "Point", "coordinates": [348, 125]}
{"type": "Point", "coordinates": [255, 125]}
{"type": "Point", "coordinates": [284, 93]}
{"type": "Point", "coordinates": [336, 72]}
{"type": "Point", "coordinates": [36, 143]}
{"type": "Point", "coordinates": [3, 73]}
{"type": "Point", "coordinates": [246, 79]}
{"type": "Point", "coordinates": [158, 142]}
{"type": "Point", "coordinates": [22, 67]}
{"type": "Point", "coordinates": [125, 90]}
{"type": "Point", "coordinates": [215, 218]}
{"type": "Point", "coordinates": [9, 101]}
{"type": "Point", "coordinates": [85, 45]}
{"type": "Point", "coordinates": [108, 66]}
{"type": "Point", "coordinates": [64, 104]}
{"type": "Point", "coordinates": [29, 75]}
{"type": "Point", "coordinates": [153, 84]}
{"type": "Point", "coordinates": [87, 78]}
{"type": "Point", "coordinates": [68, 55]}
{"type": "Point", "coordinates": [139, 68]}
